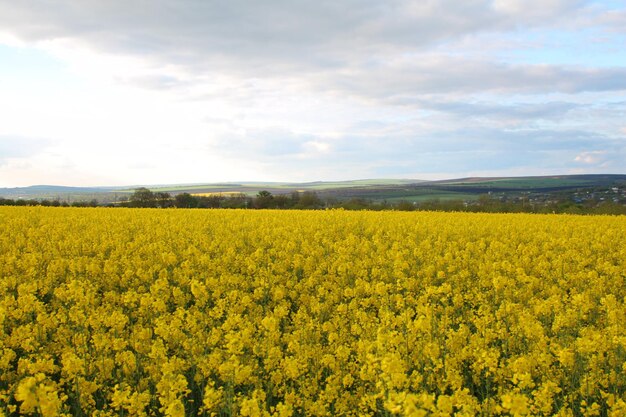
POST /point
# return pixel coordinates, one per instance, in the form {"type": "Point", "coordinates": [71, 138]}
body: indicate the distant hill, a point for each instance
{"type": "Point", "coordinates": [109, 194]}
{"type": "Point", "coordinates": [370, 189]}
{"type": "Point", "coordinates": [505, 187]}
{"type": "Point", "coordinates": [58, 192]}
{"type": "Point", "coordinates": [556, 181]}
{"type": "Point", "coordinates": [50, 189]}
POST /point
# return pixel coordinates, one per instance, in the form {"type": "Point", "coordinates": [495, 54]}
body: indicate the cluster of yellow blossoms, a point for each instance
{"type": "Point", "coordinates": [111, 312]}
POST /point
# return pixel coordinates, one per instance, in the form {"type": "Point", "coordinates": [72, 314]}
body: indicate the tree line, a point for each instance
{"type": "Point", "coordinates": [47, 202]}
{"type": "Point", "coordinates": [310, 200]}
{"type": "Point", "coordinates": [143, 197]}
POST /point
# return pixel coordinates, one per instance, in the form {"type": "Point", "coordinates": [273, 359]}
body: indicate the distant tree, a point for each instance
{"type": "Point", "coordinates": [162, 199]}
{"type": "Point", "coordinates": [7, 202]}
{"type": "Point", "coordinates": [213, 201]}
{"type": "Point", "coordinates": [490, 204]}
{"type": "Point", "coordinates": [455, 205]}
{"type": "Point", "coordinates": [295, 198]}
{"type": "Point", "coordinates": [237, 201]}
{"type": "Point", "coordinates": [356, 204]}
{"type": "Point", "coordinates": [609, 208]}
{"type": "Point", "coordinates": [309, 200]}
{"type": "Point", "coordinates": [281, 201]}
{"type": "Point", "coordinates": [185, 200]}
{"type": "Point", "coordinates": [142, 197]}
{"type": "Point", "coordinates": [405, 205]}
{"type": "Point", "coordinates": [333, 202]}
{"type": "Point", "coordinates": [264, 199]}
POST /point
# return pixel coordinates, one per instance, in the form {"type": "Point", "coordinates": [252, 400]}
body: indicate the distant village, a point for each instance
{"type": "Point", "coordinates": [598, 199]}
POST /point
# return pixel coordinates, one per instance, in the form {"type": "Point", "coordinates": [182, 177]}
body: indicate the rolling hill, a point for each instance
{"type": "Point", "coordinates": [372, 189]}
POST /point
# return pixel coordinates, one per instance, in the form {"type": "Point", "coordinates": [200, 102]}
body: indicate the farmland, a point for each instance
{"type": "Point", "coordinates": [149, 312]}
{"type": "Point", "coordinates": [513, 189]}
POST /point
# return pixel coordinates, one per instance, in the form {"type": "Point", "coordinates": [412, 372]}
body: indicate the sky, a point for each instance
{"type": "Point", "coordinates": [112, 92]}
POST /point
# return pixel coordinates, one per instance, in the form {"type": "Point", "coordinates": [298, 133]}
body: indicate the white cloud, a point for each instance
{"type": "Point", "coordinates": [317, 147]}
{"type": "Point", "coordinates": [192, 91]}
{"type": "Point", "coordinates": [591, 157]}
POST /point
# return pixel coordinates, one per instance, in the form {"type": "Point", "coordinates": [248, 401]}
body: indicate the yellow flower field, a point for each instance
{"type": "Point", "coordinates": [141, 312]}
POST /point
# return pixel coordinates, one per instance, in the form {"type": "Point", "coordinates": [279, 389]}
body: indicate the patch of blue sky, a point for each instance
{"type": "Point", "coordinates": [32, 65]}
{"type": "Point", "coordinates": [584, 48]}
{"type": "Point", "coordinates": [609, 4]}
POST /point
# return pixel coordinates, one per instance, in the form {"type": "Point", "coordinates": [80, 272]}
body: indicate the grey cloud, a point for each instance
{"type": "Point", "coordinates": [399, 153]}
{"type": "Point", "coordinates": [366, 48]}
{"type": "Point", "coordinates": [516, 111]}
{"type": "Point", "coordinates": [544, 140]}
{"type": "Point", "coordinates": [372, 51]}
{"type": "Point", "coordinates": [403, 83]}
{"type": "Point", "coordinates": [270, 35]}
{"type": "Point", "coordinates": [467, 141]}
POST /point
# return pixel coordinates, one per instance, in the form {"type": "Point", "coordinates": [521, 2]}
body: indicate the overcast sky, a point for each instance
{"type": "Point", "coordinates": [112, 92]}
